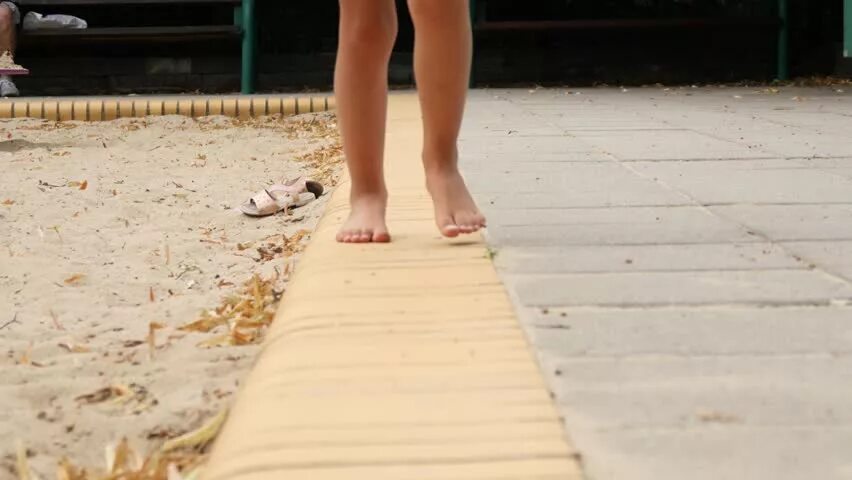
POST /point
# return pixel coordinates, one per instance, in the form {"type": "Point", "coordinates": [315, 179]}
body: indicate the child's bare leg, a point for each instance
{"type": "Point", "coordinates": [367, 34]}
{"type": "Point", "coordinates": [442, 56]}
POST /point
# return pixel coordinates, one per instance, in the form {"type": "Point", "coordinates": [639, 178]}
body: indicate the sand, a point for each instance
{"type": "Point", "coordinates": [108, 228]}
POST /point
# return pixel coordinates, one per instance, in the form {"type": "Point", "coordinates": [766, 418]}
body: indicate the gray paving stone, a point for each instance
{"type": "Point", "coordinates": [578, 332]}
{"type": "Point", "coordinates": [511, 127]}
{"type": "Point", "coordinates": [613, 187]}
{"type": "Point", "coordinates": [719, 453]}
{"type": "Point", "coordinates": [644, 258]}
{"type": "Point", "coordinates": [512, 226]}
{"type": "Point", "coordinates": [835, 166]}
{"type": "Point", "coordinates": [525, 147]}
{"type": "Point", "coordinates": [768, 385]}
{"type": "Point", "coordinates": [723, 399]}
{"type": "Point", "coordinates": [609, 179]}
{"type": "Point", "coordinates": [666, 145]}
{"type": "Point", "coordinates": [835, 257]}
{"type": "Point", "coordinates": [750, 181]}
{"type": "Point", "coordinates": [766, 287]}
{"type": "Point", "coordinates": [793, 222]}
{"type": "Point", "coordinates": [640, 193]}
{"type": "Point", "coordinates": [528, 162]}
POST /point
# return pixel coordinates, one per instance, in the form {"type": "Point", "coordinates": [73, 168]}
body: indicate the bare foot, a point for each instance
{"type": "Point", "coordinates": [455, 211]}
{"type": "Point", "coordinates": [366, 223]}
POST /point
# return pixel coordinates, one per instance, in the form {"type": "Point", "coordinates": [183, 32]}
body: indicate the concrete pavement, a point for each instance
{"type": "Point", "coordinates": [682, 262]}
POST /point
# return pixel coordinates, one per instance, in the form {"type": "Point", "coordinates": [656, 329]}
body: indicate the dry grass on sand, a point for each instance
{"type": "Point", "coordinates": [116, 237]}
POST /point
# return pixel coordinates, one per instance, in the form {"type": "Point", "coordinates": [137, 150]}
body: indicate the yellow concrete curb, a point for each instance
{"type": "Point", "coordinates": [110, 108]}
{"type": "Point", "coordinates": [399, 361]}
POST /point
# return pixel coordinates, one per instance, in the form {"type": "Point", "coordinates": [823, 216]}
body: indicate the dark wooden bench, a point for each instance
{"type": "Point", "coordinates": [482, 23]}
{"type": "Point", "coordinates": [243, 27]}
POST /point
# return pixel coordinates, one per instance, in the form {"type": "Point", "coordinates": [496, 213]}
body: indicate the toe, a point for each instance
{"type": "Point", "coordinates": [467, 222]}
{"type": "Point", "coordinates": [381, 236]}
{"type": "Point", "coordinates": [480, 220]}
{"type": "Point", "coordinates": [450, 229]}
{"type": "Point", "coordinates": [365, 236]}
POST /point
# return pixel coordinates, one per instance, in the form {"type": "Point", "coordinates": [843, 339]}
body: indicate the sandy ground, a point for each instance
{"type": "Point", "coordinates": [107, 228]}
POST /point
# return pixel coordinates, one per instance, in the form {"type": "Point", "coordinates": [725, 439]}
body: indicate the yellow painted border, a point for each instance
{"type": "Point", "coordinates": [110, 108]}
{"type": "Point", "coordinates": [394, 361]}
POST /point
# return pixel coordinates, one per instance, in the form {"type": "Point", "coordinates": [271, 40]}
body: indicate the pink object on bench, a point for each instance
{"type": "Point", "coordinates": [14, 71]}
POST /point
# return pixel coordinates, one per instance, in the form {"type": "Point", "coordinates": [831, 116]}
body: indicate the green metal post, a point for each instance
{"type": "Point", "coordinates": [847, 29]}
{"type": "Point", "coordinates": [783, 72]}
{"type": "Point", "coordinates": [247, 21]}
{"type": "Point", "coordinates": [473, 18]}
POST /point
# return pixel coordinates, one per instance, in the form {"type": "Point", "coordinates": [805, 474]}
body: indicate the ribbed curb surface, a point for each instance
{"type": "Point", "coordinates": [399, 361]}
{"type": "Point", "coordinates": [111, 108]}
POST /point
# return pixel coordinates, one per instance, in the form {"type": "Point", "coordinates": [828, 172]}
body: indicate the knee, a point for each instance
{"type": "Point", "coordinates": [369, 32]}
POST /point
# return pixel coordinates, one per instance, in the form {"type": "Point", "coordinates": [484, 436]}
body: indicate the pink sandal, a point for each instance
{"type": "Point", "coordinates": [293, 194]}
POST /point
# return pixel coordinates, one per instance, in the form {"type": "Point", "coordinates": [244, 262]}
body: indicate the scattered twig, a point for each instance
{"type": "Point", "coordinates": [13, 320]}
{"type": "Point", "coordinates": [55, 319]}
{"type": "Point", "coordinates": [45, 184]}
{"type": "Point", "coordinates": [178, 185]}
{"type": "Point", "coordinates": [55, 228]}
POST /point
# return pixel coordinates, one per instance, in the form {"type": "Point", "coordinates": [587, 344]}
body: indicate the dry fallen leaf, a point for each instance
{"type": "Point", "coordinates": [26, 357]}
{"type": "Point", "coordinates": [8, 201]}
{"type": "Point", "coordinates": [118, 458]}
{"type": "Point", "coordinates": [103, 394]}
{"type": "Point", "coordinates": [74, 279]}
{"type": "Point", "coordinates": [22, 464]}
{"type": "Point", "coordinates": [198, 438]}
{"type": "Point", "coordinates": [152, 337]}
{"type": "Point", "coordinates": [66, 471]}
{"type": "Point", "coordinates": [73, 348]}
{"type": "Point", "coordinates": [245, 315]}
{"type": "Point", "coordinates": [712, 416]}
{"type": "Point", "coordinates": [133, 397]}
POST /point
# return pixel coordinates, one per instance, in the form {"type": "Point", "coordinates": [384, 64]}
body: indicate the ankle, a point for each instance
{"type": "Point", "coordinates": [440, 171]}
{"type": "Point", "coordinates": [359, 195]}
{"type": "Point", "coordinates": [440, 159]}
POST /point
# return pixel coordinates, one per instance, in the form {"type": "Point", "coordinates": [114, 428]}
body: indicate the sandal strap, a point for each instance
{"type": "Point", "coordinates": [264, 202]}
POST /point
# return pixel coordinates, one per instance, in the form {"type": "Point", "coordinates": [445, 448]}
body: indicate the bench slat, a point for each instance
{"type": "Point", "coordinates": [137, 33]}
{"type": "Point", "coordinates": [621, 23]}
{"type": "Point", "coordinates": [118, 2]}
